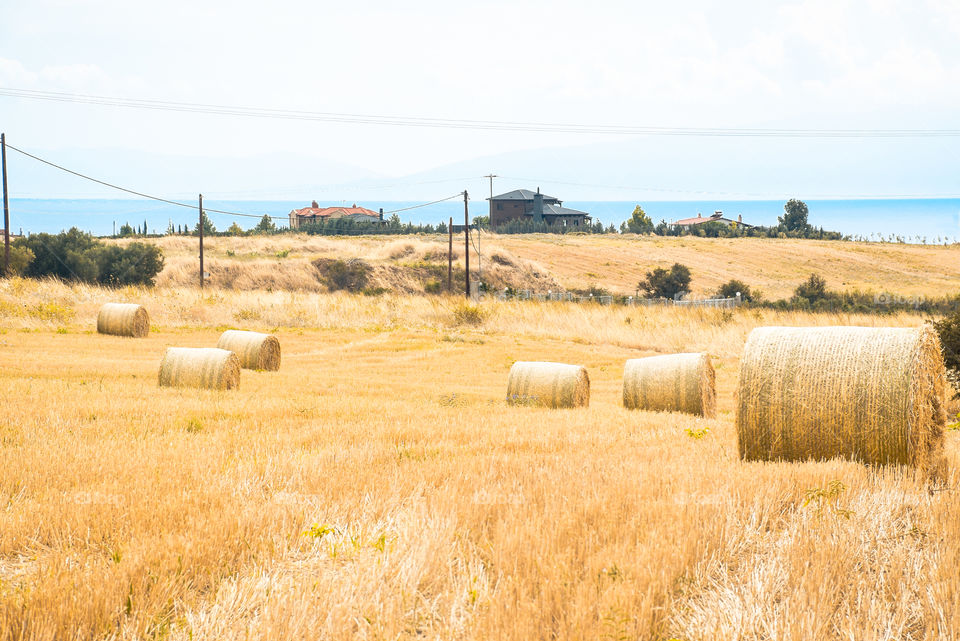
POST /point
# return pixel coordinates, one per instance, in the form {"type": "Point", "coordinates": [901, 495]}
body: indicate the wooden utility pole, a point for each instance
{"type": "Point", "coordinates": [466, 239]}
{"type": "Point", "coordinates": [201, 241]}
{"type": "Point", "coordinates": [6, 207]}
{"type": "Point", "coordinates": [491, 177]}
{"type": "Point", "coordinates": [450, 258]}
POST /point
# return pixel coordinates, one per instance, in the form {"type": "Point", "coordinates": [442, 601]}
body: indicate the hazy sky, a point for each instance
{"type": "Point", "coordinates": [806, 64]}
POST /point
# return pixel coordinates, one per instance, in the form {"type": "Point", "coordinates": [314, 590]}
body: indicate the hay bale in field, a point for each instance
{"type": "Point", "coordinates": [123, 319]}
{"type": "Point", "coordinates": [671, 383]}
{"type": "Point", "coordinates": [206, 367]}
{"type": "Point", "coordinates": [873, 395]}
{"type": "Point", "coordinates": [548, 385]}
{"type": "Point", "coordinates": [255, 350]}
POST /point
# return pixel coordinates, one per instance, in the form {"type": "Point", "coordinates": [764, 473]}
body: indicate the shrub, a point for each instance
{"type": "Point", "coordinates": [465, 313]}
{"type": "Point", "coordinates": [75, 255]}
{"type": "Point", "coordinates": [350, 275]}
{"type": "Point", "coordinates": [20, 259]}
{"type": "Point", "coordinates": [732, 287]}
{"type": "Point", "coordinates": [135, 264]}
{"type": "Point", "coordinates": [949, 330]}
{"type": "Point", "coordinates": [812, 290]}
{"type": "Point", "coordinates": [666, 283]}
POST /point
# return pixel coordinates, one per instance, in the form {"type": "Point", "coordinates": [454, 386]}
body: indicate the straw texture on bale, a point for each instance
{"type": "Point", "coordinates": [255, 350]}
{"type": "Point", "coordinates": [874, 395]}
{"type": "Point", "coordinates": [671, 383]}
{"type": "Point", "coordinates": [123, 319]}
{"type": "Point", "coordinates": [204, 367]}
{"type": "Point", "coordinates": [548, 385]}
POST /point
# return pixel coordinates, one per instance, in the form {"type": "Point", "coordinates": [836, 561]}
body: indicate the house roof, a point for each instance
{"type": "Point", "coordinates": [333, 212]}
{"type": "Point", "coordinates": [699, 220]}
{"type": "Point", "coordinates": [556, 210]}
{"type": "Point", "coordinates": [523, 194]}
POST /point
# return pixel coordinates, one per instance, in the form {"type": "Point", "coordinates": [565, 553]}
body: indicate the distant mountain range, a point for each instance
{"type": "Point", "coordinates": [650, 168]}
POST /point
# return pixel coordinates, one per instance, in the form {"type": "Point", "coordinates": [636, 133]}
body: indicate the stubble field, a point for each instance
{"type": "Point", "coordinates": [379, 487]}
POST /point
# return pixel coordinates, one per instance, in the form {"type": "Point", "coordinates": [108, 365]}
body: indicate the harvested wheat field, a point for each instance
{"type": "Point", "coordinates": [379, 486]}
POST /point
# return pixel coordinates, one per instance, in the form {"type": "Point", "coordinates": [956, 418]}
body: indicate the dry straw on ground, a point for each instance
{"type": "Point", "coordinates": [123, 319]}
{"type": "Point", "coordinates": [548, 385]}
{"type": "Point", "coordinates": [206, 367]}
{"type": "Point", "coordinates": [868, 394]}
{"type": "Point", "coordinates": [255, 350]}
{"type": "Point", "coordinates": [671, 383]}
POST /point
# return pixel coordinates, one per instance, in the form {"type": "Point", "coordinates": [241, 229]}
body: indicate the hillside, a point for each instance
{"type": "Point", "coordinates": [542, 262]}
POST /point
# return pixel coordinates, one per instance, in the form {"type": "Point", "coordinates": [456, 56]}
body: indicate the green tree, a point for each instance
{"type": "Point", "coordinates": [208, 228]}
{"type": "Point", "coordinates": [234, 229]}
{"type": "Point", "coordinates": [126, 230]}
{"type": "Point", "coordinates": [666, 283]}
{"type": "Point", "coordinates": [812, 290]}
{"type": "Point", "coordinates": [794, 217]}
{"type": "Point", "coordinates": [639, 222]}
{"type": "Point", "coordinates": [20, 258]}
{"type": "Point", "coordinates": [265, 226]}
{"type": "Point", "coordinates": [136, 264]}
{"type": "Point", "coordinates": [731, 288]}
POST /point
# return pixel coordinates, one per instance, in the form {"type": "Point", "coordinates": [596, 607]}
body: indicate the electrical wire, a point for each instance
{"type": "Point", "coordinates": [189, 205]}
{"type": "Point", "coordinates": [728, 193]}
{"type": "Point", "coordinates": [434, 202]}
{"type": "Point", "coordinates": [451, 123]}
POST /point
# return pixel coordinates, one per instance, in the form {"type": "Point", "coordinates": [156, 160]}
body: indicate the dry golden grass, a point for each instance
{"type": "Point", "coordinates": [542, 262]}
{"type": "Point", "coordinates": [379, 486]}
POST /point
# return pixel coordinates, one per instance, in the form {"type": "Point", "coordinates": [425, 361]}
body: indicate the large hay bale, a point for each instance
{"type": "Point", "coordinates": [206, 367]}
{"type": "Point", "coordinates": [873, 395]}
{"type": "Point", "coordinates": [123, 319]}
{"type": "Point", "coordinates": [671, 383]}
{"type": "Point", "coordinates": [255, 350]}
{"type": "Point", "coordinates": [548, 385]}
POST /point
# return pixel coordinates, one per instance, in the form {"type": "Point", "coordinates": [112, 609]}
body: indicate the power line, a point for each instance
{"type": "Point", "coordinates": [726, 193]}
{"type": "Point", "coordinates": [396, 211]}
{"type": "Point", "coordinates": [189, 205]}
{"type": "Point", "coordinates": [455, 123]}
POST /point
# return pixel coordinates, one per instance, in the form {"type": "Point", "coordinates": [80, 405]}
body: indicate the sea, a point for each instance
{"type": "Point", "coordinates": [928, 220]}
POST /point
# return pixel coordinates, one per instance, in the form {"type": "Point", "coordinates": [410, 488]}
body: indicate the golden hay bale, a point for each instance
{"type": "Point", "coordinates": [873, 395]}
{"type": "Point", "coordinates": [671, 383]}
{"type": "Point", "coordinates": [548, 385]}
{"type": "Point", "coordinates": [123, 319]}
{"type": "Point", "coordinates": [206, 367]}
{"type": "Point", "coordinates": [255, 350]}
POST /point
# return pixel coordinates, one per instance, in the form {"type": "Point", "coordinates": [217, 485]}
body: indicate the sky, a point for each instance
{"type": "Point", "coordinates": [876, 64]}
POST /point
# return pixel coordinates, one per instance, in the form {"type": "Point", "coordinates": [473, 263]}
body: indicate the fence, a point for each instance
{"type": "Point", "coordinates": [526, 294]}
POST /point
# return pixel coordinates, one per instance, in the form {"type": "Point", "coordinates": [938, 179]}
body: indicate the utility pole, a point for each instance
{"type": "Point", "coordinates": [491, 177]}
{"type": "Point", "coordinates": [201, 241]}
{"type": "Point", "coordinates": [6, 207]}
{"type": "Point", "coordinates": [466, 239]}
{"type": "Point", "coordinates": [450, 258]}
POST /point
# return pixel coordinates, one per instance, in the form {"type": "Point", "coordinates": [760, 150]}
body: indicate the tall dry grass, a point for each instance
{"type": "Point", "coordinates": [548, 261]}
{"type": "Point", "coordinates": [378, 485]}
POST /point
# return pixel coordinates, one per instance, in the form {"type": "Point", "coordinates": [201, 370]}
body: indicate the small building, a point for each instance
{"type": "Point", "coordinates": [715, 217]}
{"type": "Point", "coordinates": [315, 213]}
{"type": "Point", "coordinates": [523, 204]}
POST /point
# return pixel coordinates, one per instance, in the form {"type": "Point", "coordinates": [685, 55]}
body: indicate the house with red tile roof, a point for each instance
{"type": "Point", "coordinates": [715, 217]}
{"type": "Point", "coordinates": [315, 213]}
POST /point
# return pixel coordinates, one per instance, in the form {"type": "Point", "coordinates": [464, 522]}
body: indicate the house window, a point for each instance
{"type": "Point", "coordinates": [499, 206]}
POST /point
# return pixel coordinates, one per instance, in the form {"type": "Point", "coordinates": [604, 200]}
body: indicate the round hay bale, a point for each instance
{"type": "Point", "coordinates": [548, 385]}
{"type": "Point", "coordinates": [874, 395]}
{"type": "Point", "coordinates": [671, 383]}
{"type": "Point", "coordinates": [205, 367]}
{"type": "Point", "coordinates": [123, 319]}
{"type": "Point", "coordinates": [255, 350]}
